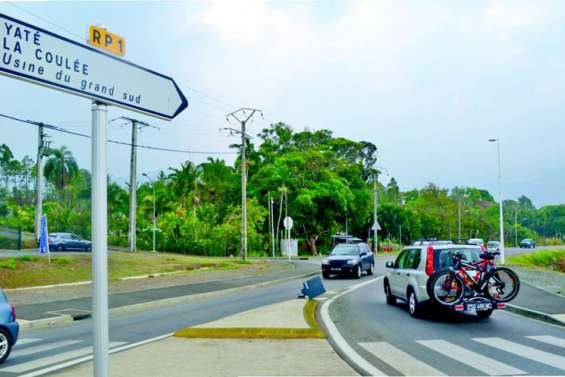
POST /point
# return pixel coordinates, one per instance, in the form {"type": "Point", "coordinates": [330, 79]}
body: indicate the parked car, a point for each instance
{"type": "Point", "coordinates": [493, 246]}
{"type": "Point", "coordinates": [406, 278]}
{"type": "Point", "coordinates": [475, 241]}
{"type": "Point", "coordinates": [350, 259]}
{"type": "Point", "coordinates": [9, 328]}
{"type": "Point", "coordinates": [528, 243]}
{"type": "Point", "coordinates": [67, 241]}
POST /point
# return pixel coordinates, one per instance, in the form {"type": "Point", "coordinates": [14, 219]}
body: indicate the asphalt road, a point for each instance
{"type": "Point", "coordinates": [42, 348]}
{"type": "Point", "coordinates": [397, 344]}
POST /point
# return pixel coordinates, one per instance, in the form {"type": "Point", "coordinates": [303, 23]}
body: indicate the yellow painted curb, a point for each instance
{"type": "Point", "coordinates": [314, 332]}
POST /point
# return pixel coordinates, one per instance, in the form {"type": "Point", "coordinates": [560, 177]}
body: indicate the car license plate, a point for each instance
{"type": "Point", "coordinates": [479, 307]}
{"type": "Point", "coordinates": [336, 269]}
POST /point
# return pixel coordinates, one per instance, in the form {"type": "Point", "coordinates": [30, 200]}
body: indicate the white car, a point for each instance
{"type": "Point", "coordinates": [406, 278]}
{"type": "Point", "coordinates": [493, 246]}
{"type": "Point", "coordinates": [476, 241]}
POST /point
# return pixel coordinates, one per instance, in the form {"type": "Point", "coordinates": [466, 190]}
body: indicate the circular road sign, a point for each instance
{"type": "Point", "coordinates": [287, 222]}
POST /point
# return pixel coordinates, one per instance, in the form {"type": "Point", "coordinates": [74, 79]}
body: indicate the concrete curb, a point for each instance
{"type": "Point", "coordinates": [44, 322]}
{"type": "Point", "coordinates": [336, 340]}
{"type": "Point", "coordinates": [530, 313]}
{"type": "Point", "coordinates": [52, 321]}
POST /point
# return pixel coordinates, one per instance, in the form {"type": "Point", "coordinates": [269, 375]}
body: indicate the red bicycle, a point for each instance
{"type": "Point", "coordinates": [483, 278]}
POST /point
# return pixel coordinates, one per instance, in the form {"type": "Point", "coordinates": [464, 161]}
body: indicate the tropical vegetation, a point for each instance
{"type": "Point", "coordinates": [324, 182]}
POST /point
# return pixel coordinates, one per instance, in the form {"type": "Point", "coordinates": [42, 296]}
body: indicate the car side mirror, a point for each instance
{"type": "Point", "coordinates": [389, 264]}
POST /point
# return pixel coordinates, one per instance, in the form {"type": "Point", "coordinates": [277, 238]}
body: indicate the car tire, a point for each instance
{"type": "Point", "coordinates": [5, 344]}
{"type": "Point", "coordinates": [325, 275]}
{"type": "Point", "coordinates": [371, 269]}
{"type": "Point", "coordinates": [485, 314]}
{"type": "Point", "coordinates": [59, 247]}
{"type": "Point", "coordinates": [358, 272]}
{"type": "Point", "coordinates": [390, 299]}
{"type": "Point", "coordinates": [414, 308]}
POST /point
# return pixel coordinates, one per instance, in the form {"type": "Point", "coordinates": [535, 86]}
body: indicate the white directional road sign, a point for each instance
{"type": "Point", "coordinates": [376, 226]}
{"type": "Point", "coordinates": [36, 55]}
{"type": "Point", "coordinates": [287, 222]}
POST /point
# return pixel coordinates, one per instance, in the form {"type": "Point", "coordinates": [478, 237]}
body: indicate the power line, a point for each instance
{"type": "Point", "coordinates": [80, 38]}
{"type": "Point", "coordinates": [63, 130]}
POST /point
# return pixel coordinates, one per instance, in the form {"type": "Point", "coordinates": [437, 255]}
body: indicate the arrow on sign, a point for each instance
{"type": "Point", "coordinates": [376, 226]}
{"type": "Point", "coordinates": [39, 56]}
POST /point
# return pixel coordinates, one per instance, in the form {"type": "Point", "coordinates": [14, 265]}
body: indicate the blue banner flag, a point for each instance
{"type": "Point", "coordinates": [43, 234]}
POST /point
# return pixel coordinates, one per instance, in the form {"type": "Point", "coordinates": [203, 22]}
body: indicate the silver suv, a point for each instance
{"type": "Point", "coordinates": [406, 278]}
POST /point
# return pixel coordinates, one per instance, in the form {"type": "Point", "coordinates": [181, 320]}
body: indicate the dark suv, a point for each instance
{"type": "Point", "coordinates": [528, 243]}
{"type": "Point", "coordinates": [350, 259]}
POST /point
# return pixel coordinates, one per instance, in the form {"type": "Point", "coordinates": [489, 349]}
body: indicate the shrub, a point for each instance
{"type": "Point", "coordinates": [28, 258]}
{"type": "Point", "coordinates": [9, 263]}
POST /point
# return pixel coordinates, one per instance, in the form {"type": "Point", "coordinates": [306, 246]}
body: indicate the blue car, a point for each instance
{"type": "Point", "coordinates": [9, 328]}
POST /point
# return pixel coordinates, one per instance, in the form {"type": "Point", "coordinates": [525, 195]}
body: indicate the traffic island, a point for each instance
{"type": "Point", "coordinates": [263, 323]}
{"type": "Point", "coordinates": [273, 340]}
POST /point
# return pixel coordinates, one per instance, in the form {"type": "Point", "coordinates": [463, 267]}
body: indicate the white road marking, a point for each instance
{"type": "Point", "coordinates": [25, 341]}
{"type": "Point", "coordinates": [553, 340]}
{"type": "Point", "coordinates": [524, 351]}
{"type": "Point", "coordinates": [70, 363]}
{"type": "Point", "coordinates": [400, 360]}
{"type": "Point", "coordinates": [338, 339]}
{"type": "Point", "coordinates": [51, 359]}
{"type": "Point", "coordinates": [474, 360]}
{"type": "Point", "coordinates": [43, 347]}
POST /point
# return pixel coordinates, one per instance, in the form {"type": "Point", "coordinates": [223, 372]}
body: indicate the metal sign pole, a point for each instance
{"type": "Point", "coordinates": [99, 241]}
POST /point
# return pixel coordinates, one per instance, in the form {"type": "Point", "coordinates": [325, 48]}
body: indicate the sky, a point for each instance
{"type": "Point", "coordinates": [427, 82]}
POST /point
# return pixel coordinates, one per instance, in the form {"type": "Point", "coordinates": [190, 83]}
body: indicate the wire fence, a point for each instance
{"type": "Point", "coordinates": [10, 238]}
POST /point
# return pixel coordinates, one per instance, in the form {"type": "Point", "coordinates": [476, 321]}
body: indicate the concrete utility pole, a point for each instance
{"type": "Point", "coordinates": [243, 116]}
{"type": "Point", "coordinates": [133, 188]}
{"type": "Point", "coordinates": [42, 145]}
{"type": "Point", "coordinates": [459, 219]}
{"type": "Point", "coordinates": [132, 232]}
{"type": "Point", "coordinates": [501, 211]}
{"type": "Point", "coordinates": [516, 226]}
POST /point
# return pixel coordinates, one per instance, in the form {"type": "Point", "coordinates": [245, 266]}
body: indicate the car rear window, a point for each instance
{"type": "Point", "coordinates": [444, 258]}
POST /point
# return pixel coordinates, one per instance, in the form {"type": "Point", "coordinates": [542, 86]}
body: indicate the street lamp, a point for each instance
{"type": "Point", "coordinates": [154, 212]}
{"type": "Point", "coordinates": [501, 216]}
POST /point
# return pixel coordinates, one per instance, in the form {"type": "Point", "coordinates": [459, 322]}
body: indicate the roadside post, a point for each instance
{"type": "Point", "coordinates": [41, 57]}
{"type": "Point", "coordinates": [288, 223]}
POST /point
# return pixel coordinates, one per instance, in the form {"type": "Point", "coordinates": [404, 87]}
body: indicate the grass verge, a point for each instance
{"type": "Point", "coordinates": [309, 311]}
{"type": "Point", "coordinates": [549, 259]}
{"type": "Point", "coordinates": [34, 271]}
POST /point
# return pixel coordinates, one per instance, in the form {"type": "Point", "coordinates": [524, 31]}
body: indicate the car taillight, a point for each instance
{"type": "Point", "coordinates": [430, 261]}
{"type": "Point", "coordinates": [13, 309]}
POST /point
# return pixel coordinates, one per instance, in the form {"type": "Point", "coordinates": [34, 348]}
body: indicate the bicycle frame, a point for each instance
{"type": "Point", "coordinates": [483, 266]}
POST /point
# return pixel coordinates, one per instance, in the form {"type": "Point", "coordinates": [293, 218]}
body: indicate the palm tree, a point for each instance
{"type": "Point", "coordinates": [60, 168]}
{"type": "Point", "coordinates": [185, 181]}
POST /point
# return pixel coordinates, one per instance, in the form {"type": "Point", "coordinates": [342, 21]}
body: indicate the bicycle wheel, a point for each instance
{"type": "Point", "coordinates": [502, 284]}
{"type": "Point", "coordinates": [446, 288]}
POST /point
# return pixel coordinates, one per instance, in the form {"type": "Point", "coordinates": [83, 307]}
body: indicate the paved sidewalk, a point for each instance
{"type": "Point", "coordinates": [181, 357]}
{"type": "Point", "coordinates": [50, 309]}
